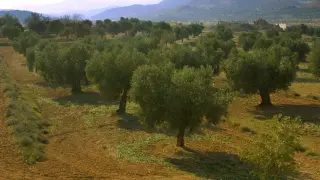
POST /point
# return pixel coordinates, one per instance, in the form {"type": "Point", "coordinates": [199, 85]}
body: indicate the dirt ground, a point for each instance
{"type": "Point", "coordinates": [83, 149]}
{"type": "Point", "coordinates": [74, 152]}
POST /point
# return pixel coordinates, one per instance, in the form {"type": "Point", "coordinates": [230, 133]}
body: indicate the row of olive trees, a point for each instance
{"type": "Point", "coordinates": [291, 40]}
{"type": "Point", "coordinates": [113, 69]}
{"type": "Point", "coordinates": [165, 79]}
{"type": "Point", "coordinates": [67, 26]}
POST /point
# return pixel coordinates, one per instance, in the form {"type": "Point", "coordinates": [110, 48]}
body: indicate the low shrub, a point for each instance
{"type": "Point", "coordinates": [271, 156]}
{"type": "Point", "coordinates": [21, 117]}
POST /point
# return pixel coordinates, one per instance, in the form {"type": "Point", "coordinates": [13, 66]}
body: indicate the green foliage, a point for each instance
{"type": "Point", "coordinates": [181, 98]}
{"type": "Point", "coordinates": [223, 33]}
{"type": "Point", "coordinates": [135, 151]}
{"type": "Point", "coordinates": [211, 52]}
{"type": "Point", "coordinates": [27, 39]}
{"type": "Point", "coordinates": [195, 29]}
{"type": "Point", "coordinates": [37, 23]}
{"type": "Point", "coordinates": [262, 70]}
{"type": "Point", "coordinates": [112, 71]}
{"type": "Point", "coordinates": [55, 26]}
{"type": "Point", "coordinates": [247, 40]}
{"type": "Point", "coordinates": [271, 155]}
{"type": "Point", "coordinates": [113, 28]}
{"type": "Point", "coordinates": [182, 56]}
{"type": "Point", "coordinates": [10, 31]}
{"type": "Point", "coordinates": [66, 32]}
{"type": "Point", "coordinates": [181, 32]}
{"type": "Point", "coordinates": [262, 43]}
{"type": "Point", "coordinates": [271, 33]}
{"type": "Point", "coordinates": [125, 25]}
{"type": "Point", "coordinates": [10, 27]}
{"type": "Point", "coordinates": [145, 44]}
{"type": "Point", "coordinates": [297, 46]}
{"type": "Point", "coordinates": [23, 120]}
{"type": "Point", "coordinates": [31, 57]}
{"type": "Point", "coordinates": [82, 28]}
{"type": "Point", "coordinates": [314, 59]}
{"type": "Point", "coordinates": [63, 65]}
{"type": "Point", "coordinates": [304, 29]}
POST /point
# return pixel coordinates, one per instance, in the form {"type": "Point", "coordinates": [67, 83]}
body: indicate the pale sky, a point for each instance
{"type": "Point", "coordinates": [58, 6]}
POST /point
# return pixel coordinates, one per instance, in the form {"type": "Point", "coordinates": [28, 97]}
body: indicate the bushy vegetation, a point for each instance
{"type": "Point", "coordinates": [63, 64]}
{"type": "Point", "coordinates": [171, 82]}
{"type": "Point", "coordinates": [314, 59]}
{"type": "Point", "coordinates": [271, 155]}
{"type": "Point", "coordinates": [304, 29]}
{"type": "Point", "coordinates": [183, 98]}
{"type": "Point", "coordinates": [264, 71]}
{"type": "Point", "coordinates": [112, 71]}
{"type": "Point", "coordinates": [23, 118]}
{"type": "Point", "coordinates": [10, 27]}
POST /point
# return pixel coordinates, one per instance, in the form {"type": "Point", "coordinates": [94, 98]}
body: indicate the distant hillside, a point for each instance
{"type": "Point", "coordinates": [313, 4]}
{"type": "Point", "coordinates": [187, 10]}
{"type": "Point", "coordinates": [21, 15]}
{"type": "Point", "coordinates": [138, 10]}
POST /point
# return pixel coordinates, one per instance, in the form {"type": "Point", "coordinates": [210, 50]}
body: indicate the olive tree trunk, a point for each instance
{"type": "Point", "coordinates": [86, 81]}
{"type": "Point", "coordinates": [265, 97]}
{"type": "Point", "coordinates": [76, 86]}
{"type": "Point", "coordinates": [123, 102]}
{"type": "Point", "coordinates": [180, 136]}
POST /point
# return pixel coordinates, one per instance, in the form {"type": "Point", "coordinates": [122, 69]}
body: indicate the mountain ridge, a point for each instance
{"type": "Point", "coordinates": [206, 10]}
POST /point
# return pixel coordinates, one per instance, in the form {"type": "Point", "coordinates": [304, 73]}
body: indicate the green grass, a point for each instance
{"type": "Point", "coordinates": [312, 154]}
{"type": "Point", "coordinates": [136, 151]}
{"type": "Point", "coordinates": [247, 130]}
{"type": "Point", "coordinates": [23, 119]}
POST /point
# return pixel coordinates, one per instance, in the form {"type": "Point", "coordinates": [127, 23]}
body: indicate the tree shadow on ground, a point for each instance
{"type": "Point", "coordinates": [89, 98]}
{"type": "Point", "coordinates": [212, 165]}
{"type": "Point", "coordinates": [306, 80]}
{"type": "Point", "coordinates": [132, 122]}
{"type": "Point", "coordinates": [308, 113]}
{"type": "Point", "coordinates": [49, 85]}
{"type": "Point", "coordinates": [304, 70]}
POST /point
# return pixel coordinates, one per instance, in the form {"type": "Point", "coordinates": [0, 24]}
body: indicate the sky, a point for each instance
{"type": "Point", "coordinates": [60, 6]}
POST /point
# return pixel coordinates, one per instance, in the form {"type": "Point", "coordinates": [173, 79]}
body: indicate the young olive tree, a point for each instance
{"type": "Point", "coordinates": [112, 71]}
{"type": "Point", "coordinates": [264, 71]}
{"type": "Point", "coordinates": [183, 98]}
{"type": "Point", "coordinates": [65, 66]}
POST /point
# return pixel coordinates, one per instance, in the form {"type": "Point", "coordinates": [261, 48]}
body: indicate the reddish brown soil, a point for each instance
{"type": "Point", "coordinates": [77, 151]}
{"type": "Point", "coordinates": [74, 152]}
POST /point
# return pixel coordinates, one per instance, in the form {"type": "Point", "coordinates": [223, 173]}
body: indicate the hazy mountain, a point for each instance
{"type": "Point", "coordinates": [138, 10]}
{"type": "Point", "coordinates": [207, 10]}
{"type": "Point", "coordinates": [21, 15]}
{"type": "Point", "coordinates": [313, 4]}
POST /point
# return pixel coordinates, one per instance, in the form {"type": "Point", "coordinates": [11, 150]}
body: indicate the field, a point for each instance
{"type": "Point", "coordinates": [88, 141]}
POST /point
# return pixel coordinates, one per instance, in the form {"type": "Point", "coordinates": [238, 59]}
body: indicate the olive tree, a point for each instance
{"type": "Point", "coordinates": [195, 29]}
{"type": "Point", "coordinates": [223, 33]}
{"type": "Point", "coordinates": [64, 65]}
{"type": "Point", "coordinates": [112, 70]}
{"type": "Point", "coordinates": [211, 52]}
{"type": "Point", "coordinates": [262, 71]}
{"type": "Point", "coordinates": [183, 98]}
{"type": "Point", "coordinates": [298, 46]}
{"type": "Point", "coordinates": [314, 59]}
{"type": "Point", "coordinates": [182, 56]}
{"type": "Point", "coordinates": [25, 40]}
